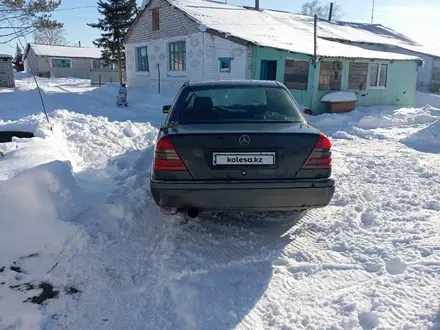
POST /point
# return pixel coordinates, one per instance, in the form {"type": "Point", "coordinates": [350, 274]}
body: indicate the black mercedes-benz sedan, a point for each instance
{"type": "Point", "coordinates": [239, 146]}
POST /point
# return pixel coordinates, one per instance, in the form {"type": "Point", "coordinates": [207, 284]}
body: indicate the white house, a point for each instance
{"type": "Point", "coordinates": [164, 44]}
{"type": "Point", "coordinates": [172, 41]}
{"type": "Point", "coordinates": [68, 61]}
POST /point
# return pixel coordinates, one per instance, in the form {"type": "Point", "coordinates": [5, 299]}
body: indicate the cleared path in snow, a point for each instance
{"type": "Point", "coordinates": [372, 258]}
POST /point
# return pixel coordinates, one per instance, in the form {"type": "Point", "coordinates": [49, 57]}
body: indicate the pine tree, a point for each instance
{"type": "Point", "coordinates": [118, 15]}
{"type": "Point", "coordinates": [22, 17]}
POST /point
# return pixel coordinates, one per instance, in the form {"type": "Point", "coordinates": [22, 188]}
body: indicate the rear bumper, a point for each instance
{"type": "Point", "coordinates": [243, 196]}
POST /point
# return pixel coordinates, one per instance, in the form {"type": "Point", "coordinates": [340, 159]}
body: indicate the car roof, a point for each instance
{"type": "Point", "coordinates": [239, 83]}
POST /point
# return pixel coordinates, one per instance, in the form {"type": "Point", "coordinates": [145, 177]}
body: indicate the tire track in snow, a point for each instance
{"type": "Point", "coordinates": [223, 248]}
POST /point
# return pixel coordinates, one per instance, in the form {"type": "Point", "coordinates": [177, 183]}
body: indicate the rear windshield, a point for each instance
{"type": "Point", "coordinates": [235, 105]}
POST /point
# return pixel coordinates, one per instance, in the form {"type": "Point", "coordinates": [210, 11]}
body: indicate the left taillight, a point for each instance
{"type": "Point", "coordinates": [321, 155]}
{"type": "Point", "coordinates": [166, 157]}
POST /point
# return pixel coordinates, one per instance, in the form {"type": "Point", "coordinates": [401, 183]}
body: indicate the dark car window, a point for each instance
{"type": "Point", "coordinates": [235, 104]}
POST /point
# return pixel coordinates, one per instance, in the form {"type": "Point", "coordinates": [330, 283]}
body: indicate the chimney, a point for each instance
{"type": "Point", "coordinates": [331, 12]}
{"type": "Point", "coordinates": [79, 43]}
{"type": "Point", "coordinates": [257, 4]}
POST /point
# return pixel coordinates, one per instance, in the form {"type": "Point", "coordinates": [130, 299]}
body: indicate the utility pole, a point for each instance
{"type": "Point", "coordinates": [257, 4]}
{"type": "Point", "coordinates": [372, 13]}
{"type": "Point", "coordinates": [315, 41]}
{"type": "Point", "coordinates": [331, 12]}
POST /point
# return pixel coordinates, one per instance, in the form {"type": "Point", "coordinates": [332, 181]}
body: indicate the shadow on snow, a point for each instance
{"type": "Point", "coordinates": [146, 270]}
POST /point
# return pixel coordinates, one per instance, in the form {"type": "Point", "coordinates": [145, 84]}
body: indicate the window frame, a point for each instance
{"type": "Point", "coordinates": [100, 63]}
{"type": "Point", "coordinates": [366, 81]}
{"type": "Point", "coordinates": [308, 73]}
{"type": "Point", "coordinates": [60, 58]}
{"type": "Point", "coordinates": [225, 60]}
{"type": "Point", "coordinates": [340, 79]}
{"type": "Point", "coordinates": [155, 19]}
{"type": "Point", "coordinates": [139, 57]}
{"type": "Point", "coordinates": [377, 86]}
{"type": "Point", "coordinates": [172, 52]}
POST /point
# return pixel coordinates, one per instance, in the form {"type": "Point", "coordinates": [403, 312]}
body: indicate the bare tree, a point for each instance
{"type": "Point", "coordinates": [22, 17]}
{"type": "Point", "coordinates": [316, 7]}
{"type": "Point", "coordinates": [48, 36]}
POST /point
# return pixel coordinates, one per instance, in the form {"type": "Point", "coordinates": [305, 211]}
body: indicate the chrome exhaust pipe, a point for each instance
{"type": "Point", "coordinates": [192, 213]}
{"type": "Point", "coordinates": [169, 211]}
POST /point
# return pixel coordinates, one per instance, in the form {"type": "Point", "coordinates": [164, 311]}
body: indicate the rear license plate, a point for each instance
{"type": "Point", "coordinates": [253, 158]}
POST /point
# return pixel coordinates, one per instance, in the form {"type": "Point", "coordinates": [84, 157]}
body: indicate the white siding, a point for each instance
{"type": "Point", "coordinates": [158, 59]}
{"type": "Point", "coordinates": [203, 52]}
{"type": "Point", "coordinates": [216, 48]}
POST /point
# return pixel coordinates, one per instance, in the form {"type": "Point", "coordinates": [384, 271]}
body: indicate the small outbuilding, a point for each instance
{"type": "Point", "coordinates": [6, 71]}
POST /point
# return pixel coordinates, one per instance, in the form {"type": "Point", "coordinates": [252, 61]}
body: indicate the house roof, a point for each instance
{"type": "Point", "coordinates": [64, 51]}
{"type": "Point", "coordinates": [280, 30]}
{"type": "Point", "coordinates": [358, 33]}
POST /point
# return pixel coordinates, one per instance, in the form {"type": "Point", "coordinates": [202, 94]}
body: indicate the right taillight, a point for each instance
{"type": "Point", "coordinates": [166, 157]}
{"type": "Point", "coordinates": [321, 155]}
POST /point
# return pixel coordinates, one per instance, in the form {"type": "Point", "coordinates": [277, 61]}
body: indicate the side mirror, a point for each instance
{"type": "Point", "coordinates": [307, 111]}
{"type": "Point", "coordinates": [166, 108]}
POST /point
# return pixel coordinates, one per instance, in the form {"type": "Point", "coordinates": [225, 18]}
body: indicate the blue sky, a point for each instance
{"type": "Point", "coordinates": [418, 19]}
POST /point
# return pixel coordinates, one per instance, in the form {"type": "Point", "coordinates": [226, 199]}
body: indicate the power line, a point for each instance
{"type": "Point", "coordinates": [75, 8]}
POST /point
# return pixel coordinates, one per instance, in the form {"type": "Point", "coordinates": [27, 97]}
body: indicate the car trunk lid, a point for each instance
{"type": "Point", "coordinates": [245, 151]}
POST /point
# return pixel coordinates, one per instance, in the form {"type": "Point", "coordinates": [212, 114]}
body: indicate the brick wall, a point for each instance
{"type": "Point", "coordinates": [203, 51]}
{"type": "Point", "coordinates": [215, 48]}
{"type": "Point", "coordinates": [172, 23]}
{"type": "Point", "coordinates": [6, 72]}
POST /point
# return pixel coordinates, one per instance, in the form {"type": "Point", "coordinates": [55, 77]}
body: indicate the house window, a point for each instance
{"type": "Point", "coordinates": [357, 76]}
{"type": "Point", "coordinates": [178, 56]}
{"type": "Point", "coordinates": [436, 74]}
{"type": "Point", "coordinates": [378, 75]}
{"type": "Point", "coordinates": [142, 59]}
{"type": "Point", "coordinates": [113, 67]}
{"type": "Point", "coordinates": [296, 74]}
{"type": "Point", "coordinates": [155, 19]}
{"type": "Point", "coordinates": [61, 63]}
{"type": "Point", "coordinates": [330, 76]}
{"type": "Point", "coordinates": [97, 65]}
{"type": "Point", "coordinates": [225, 64]}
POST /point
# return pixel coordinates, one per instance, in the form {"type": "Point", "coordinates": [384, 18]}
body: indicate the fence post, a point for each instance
{"type": "Point", "coordinates": [99, 80]}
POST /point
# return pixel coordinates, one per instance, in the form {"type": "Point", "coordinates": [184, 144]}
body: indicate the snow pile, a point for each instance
{"type": "Point", "coordinates": [427, 139]}
{"type": "Point", "coordinates": [425, 99]}
{"type": "Point", "coordinates": [78, 220]}
{"type": "Point", "coordinates": [32, 204]}
{"type": "Point", "coordinates": [38, 198]}
{"type": "Point", "coordinates": [78, 96]}
{"type": "Point", "coordinates": [383, 122]}
{"type": "Point", "coordinates": [339, 97]}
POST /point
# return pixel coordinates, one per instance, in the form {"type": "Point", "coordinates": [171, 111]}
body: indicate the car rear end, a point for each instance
{"type": "Point", "coordinates": [240, 156]}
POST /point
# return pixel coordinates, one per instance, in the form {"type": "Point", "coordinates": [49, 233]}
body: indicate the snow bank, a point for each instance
{"type": "Point", "coordinates": [424, 99]}
{"type": "Point", "coordinates": [32, 205]}
{"type": "Point", "coordinates": [379, 122]}
{"type": "Point", "coordinates": [426, 140]}
{"type": "Point", "coordinates": [339, 97]}
{"type": "Point", "coordinates": [86, 140]}
{"type": "Point", "coordinates": [34, 238]}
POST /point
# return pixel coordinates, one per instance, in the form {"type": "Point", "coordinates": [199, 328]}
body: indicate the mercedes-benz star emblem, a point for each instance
{"type": "Point", "coordinates": [244, 140]}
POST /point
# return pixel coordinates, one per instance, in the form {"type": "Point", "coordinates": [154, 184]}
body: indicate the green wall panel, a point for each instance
{"type": "Point", "coordinates": [400, 90]}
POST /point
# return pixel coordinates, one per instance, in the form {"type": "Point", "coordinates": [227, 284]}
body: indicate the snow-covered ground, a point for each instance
{"type": "Point", "coordinates": [82, 245]}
